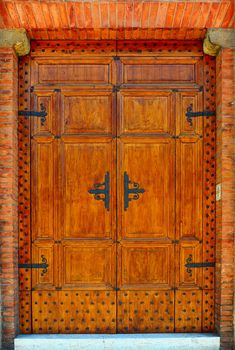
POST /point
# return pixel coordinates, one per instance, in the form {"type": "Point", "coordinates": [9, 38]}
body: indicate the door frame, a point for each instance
{"type": "Point", "coordinates": [23, 99]}
{"type": "Point", "coordinates": [24, 151]}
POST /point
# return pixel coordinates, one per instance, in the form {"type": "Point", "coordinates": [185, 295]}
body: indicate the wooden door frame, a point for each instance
{"type": "Point", "coordinates": [24, 92]}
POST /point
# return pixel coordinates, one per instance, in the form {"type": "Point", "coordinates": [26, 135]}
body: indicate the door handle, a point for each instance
{"type": "Point", "coordinates": [134, 191]}
{"type": "Point", "coordinates": [101, 191]}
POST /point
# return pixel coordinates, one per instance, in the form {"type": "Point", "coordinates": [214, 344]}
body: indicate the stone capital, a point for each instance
{"type": "Point", "coordinates": [218, 38]}
{"type": "Point", "coordinates": [16, 38]}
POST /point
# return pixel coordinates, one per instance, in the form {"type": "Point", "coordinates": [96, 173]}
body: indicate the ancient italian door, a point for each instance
{"type": "Point", "coordinates": [117, 195]}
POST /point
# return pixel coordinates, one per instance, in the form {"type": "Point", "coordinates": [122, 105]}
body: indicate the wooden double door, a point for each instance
{"type": "Point", "coordinates": [117, 198]}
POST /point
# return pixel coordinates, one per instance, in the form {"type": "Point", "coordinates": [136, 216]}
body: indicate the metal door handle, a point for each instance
{"type": "Point", "coordinates": [135, 191]}
{"type": "Point", "coordinates": [101, 191]}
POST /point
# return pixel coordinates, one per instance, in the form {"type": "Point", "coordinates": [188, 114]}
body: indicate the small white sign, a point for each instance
{"type": "Point", "coordinates": [218, 192]}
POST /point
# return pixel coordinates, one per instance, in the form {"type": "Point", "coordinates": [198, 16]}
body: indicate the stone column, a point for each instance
{"type": "Point", "coordinates": [12, 44]}
{"type": "Point", "coordinates": [221, 43]}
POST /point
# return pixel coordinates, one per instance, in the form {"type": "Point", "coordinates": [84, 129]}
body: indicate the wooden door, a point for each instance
{"type": "Point", "coordinates": [117, 196]}
{"type": "Point", "coordinates": [74, 154]}
{"type": "Point", "coordinates": [146, 224]}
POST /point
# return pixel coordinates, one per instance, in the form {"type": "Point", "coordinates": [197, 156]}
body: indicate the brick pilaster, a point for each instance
{"type": "Point", "coordinates": [225, 207]}
{"type": "Point", "coordinates": [8, 195]}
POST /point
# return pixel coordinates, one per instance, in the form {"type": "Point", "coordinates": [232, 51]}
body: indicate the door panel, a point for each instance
{"type": "Point", "coordinates": [143, 159]}
{"type": "Point", "coordinates": [95, 267]}
{"type": "Point", "coordinates": [84, 163]}
{"type": "Point", "coordinates": [145, 265]}
{"type": "Point", "coordinates": [189, 187]}
{"type": "Point", "coordinates": [189, 252]}
{"type": "Point", "coordinates": [87, 111]}
{"type": "Point", "coordinates": [74, 312]}
{"type": "Point", "coordinates": [183, 101]}
{"type": "Point", "coordinates": [42, 187]}
{"type": "Point", "coordinates": [46, 278]}
{"type": "Point", "coordinates": [147, 112]}
{"type": "Point", "coordinates": [143, 70]}
{"type": "Point", "coordinates": [47, 99]}
{"type": "Point", "coordinates": [67, 71]}
{"type": "Point", "coordinates": [188, 310]}
{"type": "Point", "coordinates": [145, 311]}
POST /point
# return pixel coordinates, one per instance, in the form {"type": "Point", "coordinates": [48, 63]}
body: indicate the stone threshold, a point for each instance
{"type": "Point", "coordinates": [176, 341]}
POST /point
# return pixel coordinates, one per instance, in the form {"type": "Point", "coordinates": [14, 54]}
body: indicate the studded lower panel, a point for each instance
{"type": "Point", "coordinates": [74, 312]}
{"type": "Point", "coordinates": [145, 311]}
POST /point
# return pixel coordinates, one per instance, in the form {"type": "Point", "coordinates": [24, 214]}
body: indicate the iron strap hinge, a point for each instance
{"type": "Point", "coordinates": [40, 114]}
{"type": "Point", "coordinates": [203, 264]}
{"type": "Point", "coordinates": [191, 265]}
{"type": "Point", "coordinates": [43, 265]}
{"type": "Point", "coordinates": [33, 266]}
{"type": "Point", "coordinates": [190, 114]}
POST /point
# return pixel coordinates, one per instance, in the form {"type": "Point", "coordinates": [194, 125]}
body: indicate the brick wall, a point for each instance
{"type": "Point", "coordinates": [225, 207]}
{"type": "Point", "coordinates": [8, 195]}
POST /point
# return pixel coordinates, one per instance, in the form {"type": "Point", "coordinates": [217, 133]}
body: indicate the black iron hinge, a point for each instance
{"type": "Point", "coordinates": [43, 265]}
{"type": "Point", "coordinates": [40, 114]}
{"type": "Point", "coordinates": [191, 265]}
{"type": "Point", "coordinates": [190, 114]}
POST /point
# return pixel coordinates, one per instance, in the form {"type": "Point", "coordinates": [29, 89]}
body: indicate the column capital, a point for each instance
{"type": "Point", "coordinates": [218, 38]}
{"type": "Point", "coordinates": [16, 38]}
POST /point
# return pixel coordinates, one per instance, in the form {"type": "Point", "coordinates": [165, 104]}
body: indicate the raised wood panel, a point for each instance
{"type": "Point", "coordinates": [145, 265]}
{"type": "Point", "coordinates": [189, 277]}
{"type": "Point", "coordinates": [80, 71]}
{"type": "Point", "coordinates": [189, 187]}
{"type": "Point", "coordinates": [74, 312]}
{"type": "Point", "coordinates": [42, 187]}
{"type": "Point", "coordinates": [87, 111]}
{"type": "Point", "coordinates": [145, 311]}
{"type": "Point", "coordinates": [44, 278]}
{"type": "Point", "coordinates": [48, 99]}
{"type": "Point", "coordinates": [150, 163]}
{"type": "Point", "coordinates": [183, 101]}
{"type": "Point", "coordinates": [149, 112]}
{"type": "Point", "coordinates": [155, 70]}
{"type": "Point", "coordinates": [94, 267]}
{"type": "Point", "coordinates": [84, 163]}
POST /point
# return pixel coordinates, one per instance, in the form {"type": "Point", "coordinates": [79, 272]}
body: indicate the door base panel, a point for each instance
{"type": "Point", "coordinates": [181, 341]}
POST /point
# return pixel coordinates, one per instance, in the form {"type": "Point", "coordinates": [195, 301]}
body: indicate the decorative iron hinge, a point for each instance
{"type": "Point", "coordinates": [135, 191]}
{"type": "Point", "coordinates": [41, 114]}
{"type": "Point", "coordinates": [190, 114]}
{"type": "Point", "coordinates": [189, 264]}
{"type": "Point", "coordinates": [43, 265]}
{"type": "Point", "coordinates": [102, 194]}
